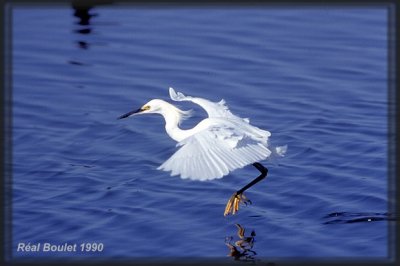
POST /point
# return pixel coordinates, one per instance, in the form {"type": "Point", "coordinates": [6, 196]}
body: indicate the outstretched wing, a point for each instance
{"type": "Point", "coordinates": [218, 150]}
{"type": "Point", "coordinates": [213, 109]}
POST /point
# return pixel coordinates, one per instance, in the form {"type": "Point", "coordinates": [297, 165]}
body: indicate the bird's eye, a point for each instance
{"type": "Point", "coordinates": [145, 108]}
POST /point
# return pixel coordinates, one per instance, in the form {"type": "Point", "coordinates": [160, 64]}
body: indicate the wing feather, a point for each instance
{"type": "Point", "coordinates": [213, 109]}
{"type": "Point", "coordinates": [205, 156]}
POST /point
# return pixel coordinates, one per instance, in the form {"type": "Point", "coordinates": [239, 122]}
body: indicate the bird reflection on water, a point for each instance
{"type": "Point", "coordinates": [242, 249]}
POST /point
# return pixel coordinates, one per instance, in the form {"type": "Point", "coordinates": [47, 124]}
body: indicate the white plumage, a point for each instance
{"type": "Point", "coordinates": [220, 143]}
{"type": "Point", "coordinates": [216, 146]}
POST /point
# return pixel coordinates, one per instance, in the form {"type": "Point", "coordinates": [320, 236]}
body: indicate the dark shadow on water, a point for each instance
{"type": "Point", "coordinates": [83, 13]}
{"type": "Point", "coordinates": [357, 217]}
{"type": "Point", "coordinates": [242, 248]}
{"type": "Point", "coordinates": [72, 62]}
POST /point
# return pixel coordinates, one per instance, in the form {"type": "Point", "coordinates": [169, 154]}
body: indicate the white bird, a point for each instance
{"type": "Point", "coordinates": [213, 148]}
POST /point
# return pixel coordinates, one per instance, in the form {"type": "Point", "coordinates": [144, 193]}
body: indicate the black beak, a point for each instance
{"type": "Point", "coordinates": [130, 113]}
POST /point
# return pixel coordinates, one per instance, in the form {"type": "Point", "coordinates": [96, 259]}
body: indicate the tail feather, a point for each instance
{"type": "Point", "coordinates": [281, 150]}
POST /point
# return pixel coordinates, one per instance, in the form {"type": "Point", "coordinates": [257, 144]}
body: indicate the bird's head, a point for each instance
{"type": "Point", "coordinates": [155, 106]}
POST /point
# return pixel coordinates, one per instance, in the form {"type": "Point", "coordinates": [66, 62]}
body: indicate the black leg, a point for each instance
{"type": "Point", "coordinates": [264, 172]}
{"type": "Point", "coordinates": [233, 204]}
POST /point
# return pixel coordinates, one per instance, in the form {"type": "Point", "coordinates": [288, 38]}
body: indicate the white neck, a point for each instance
{"type": "Point", "coordinates": [172, 117]}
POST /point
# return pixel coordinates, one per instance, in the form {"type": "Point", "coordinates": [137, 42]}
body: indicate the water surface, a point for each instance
{"type": "Point", "coordinates": [316, 78]}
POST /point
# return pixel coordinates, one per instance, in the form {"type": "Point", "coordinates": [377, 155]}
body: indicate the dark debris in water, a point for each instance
{"type": "Point", "coordinates": [357, 217]}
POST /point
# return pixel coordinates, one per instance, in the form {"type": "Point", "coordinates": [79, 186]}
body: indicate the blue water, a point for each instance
{"type": "Point", "coordinates": [316, 78]}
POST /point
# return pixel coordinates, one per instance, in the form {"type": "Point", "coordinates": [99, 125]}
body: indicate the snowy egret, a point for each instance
{"type": "Point", "coordinates": [213, 148]}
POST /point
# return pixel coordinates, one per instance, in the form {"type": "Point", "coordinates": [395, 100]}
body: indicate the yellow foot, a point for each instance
{"type": "Point", "coordinates": [233, 203]}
